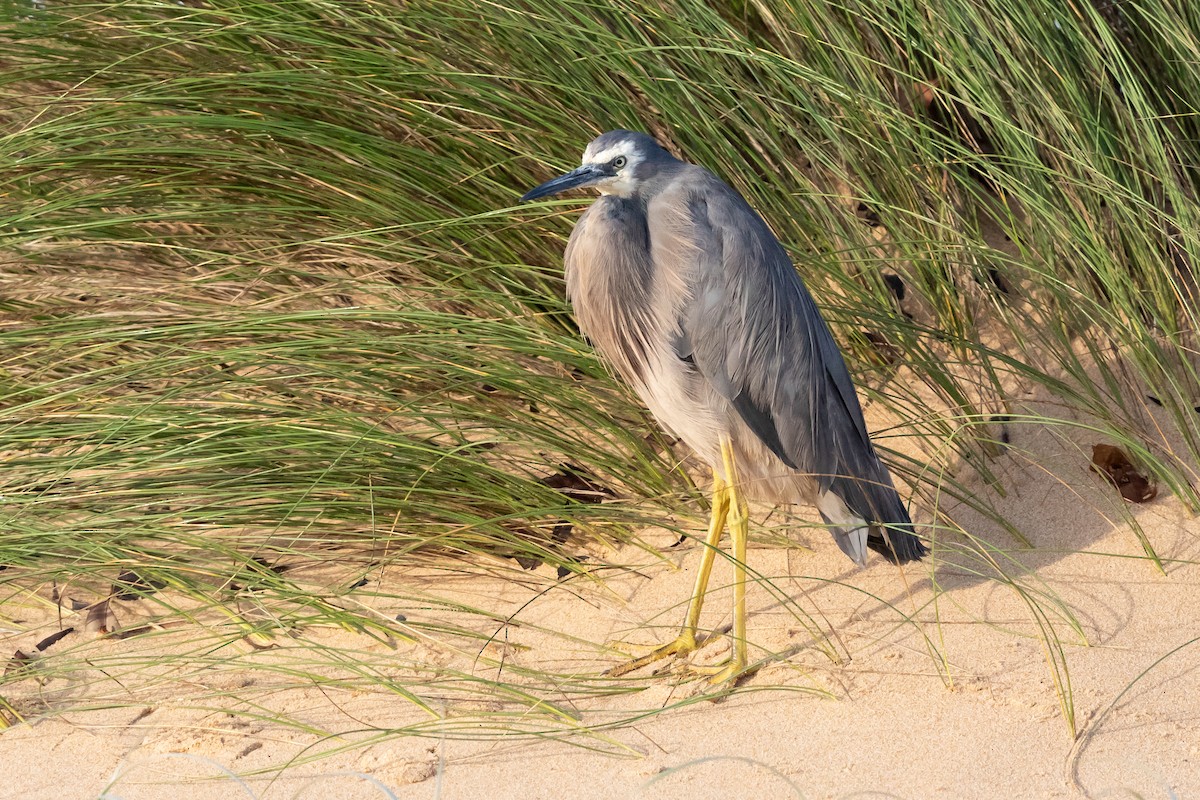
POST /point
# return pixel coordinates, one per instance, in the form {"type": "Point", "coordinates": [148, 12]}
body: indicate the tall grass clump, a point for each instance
{"type": "Point", "coordinates": [271, 318]}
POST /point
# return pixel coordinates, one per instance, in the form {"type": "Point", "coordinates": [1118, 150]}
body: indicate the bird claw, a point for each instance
{"type": "Point", "coordinates": [726, 672]}
{"type": "Point", "coordinates": [726, 675]}
{"type": "Point", "coordinates": [682, 645]}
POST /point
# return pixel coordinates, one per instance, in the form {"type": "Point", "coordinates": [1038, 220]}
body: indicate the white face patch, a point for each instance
{"type": "Point", "coordinates": [620, 184]}
{"type": "Point", "coordinates": [605, 155]}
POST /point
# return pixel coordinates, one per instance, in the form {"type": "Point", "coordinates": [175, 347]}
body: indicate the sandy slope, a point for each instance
{"type": "Point", "coordinates": [881, 719]}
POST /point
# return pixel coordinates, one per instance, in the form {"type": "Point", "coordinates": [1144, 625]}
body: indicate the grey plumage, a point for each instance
{"type": "Point", "coordinates": [683, 288]}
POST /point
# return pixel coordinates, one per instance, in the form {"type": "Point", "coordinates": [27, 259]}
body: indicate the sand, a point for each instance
{"type": "Point", "coordinates": [971, 713]}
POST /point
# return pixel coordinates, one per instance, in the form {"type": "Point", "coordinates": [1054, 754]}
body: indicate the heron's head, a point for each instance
{"type": "Point", "coordinates": [617, 162]}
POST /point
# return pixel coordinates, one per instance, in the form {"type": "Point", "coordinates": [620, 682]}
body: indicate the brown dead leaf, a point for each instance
{"type": "Point", "coordinates": [254, 574]}
{"type": "Point", "coordinates": [52, 639]}
{"type": "Point", "coordinates": [1111, 462]}
{"type": "Point", "coordinates": [100, 619]}
{"type": "Point", "coordinates": [131, 585]}
{"type": "Point", "coordinates": [883, 351]}
{"type": "Point", "coordinates": [19, 663]}
{"type": "Point", "coordinates": [578, 485]}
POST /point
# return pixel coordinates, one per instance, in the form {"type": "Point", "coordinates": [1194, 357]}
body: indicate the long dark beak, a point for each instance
{"type": "Point", "coordinates": [584, 176]}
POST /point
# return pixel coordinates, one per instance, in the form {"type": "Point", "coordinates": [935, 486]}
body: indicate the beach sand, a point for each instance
{"type": "Point", "coordinates": [903, 692]}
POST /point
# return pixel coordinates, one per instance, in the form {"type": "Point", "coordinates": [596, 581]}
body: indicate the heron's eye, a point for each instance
{"type": "Point", "coordinates": [618, 162]}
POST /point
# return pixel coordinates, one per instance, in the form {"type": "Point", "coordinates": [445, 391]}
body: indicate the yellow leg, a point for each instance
{"type": "Point", "coordinates": [686, 641]}
{"type": "Point", "coordinates": [739, 529]}
{"type": "Point", "coordinates": [720, 511]}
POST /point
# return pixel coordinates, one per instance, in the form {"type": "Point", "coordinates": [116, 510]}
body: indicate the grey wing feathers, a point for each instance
{"type": "Point", "coordinates": [755, 333]}
{"type": "Point", "coordinates": [613, 233]}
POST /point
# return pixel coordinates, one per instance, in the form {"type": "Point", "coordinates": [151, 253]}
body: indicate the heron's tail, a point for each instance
{"type": "Point", "coordinates": [893, 539]}
{"type": "Point", "coordinates": [896, 542]}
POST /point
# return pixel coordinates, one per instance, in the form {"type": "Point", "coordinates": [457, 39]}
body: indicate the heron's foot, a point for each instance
{"type": "Point", "coordinates": [725, 668]}
{"type": "Point", "coordinates": [683, 644]}
{"type": "Point", "coordinates": [726, 674]}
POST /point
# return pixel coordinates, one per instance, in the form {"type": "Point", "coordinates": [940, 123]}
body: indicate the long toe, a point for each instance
{"type": "Point", "coordinates": [682, 645]}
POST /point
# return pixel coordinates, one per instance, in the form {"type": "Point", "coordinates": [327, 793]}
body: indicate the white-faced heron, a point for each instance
{"type": "Point", "coordinates": [683, 288]}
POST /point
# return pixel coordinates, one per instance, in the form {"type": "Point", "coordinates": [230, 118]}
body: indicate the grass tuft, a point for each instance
{"type": "Point", "coordinates": [272, 324]}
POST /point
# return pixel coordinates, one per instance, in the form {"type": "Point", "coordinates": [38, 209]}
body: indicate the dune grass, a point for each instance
{"type": "Point", "coordinates": [269, 305]}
